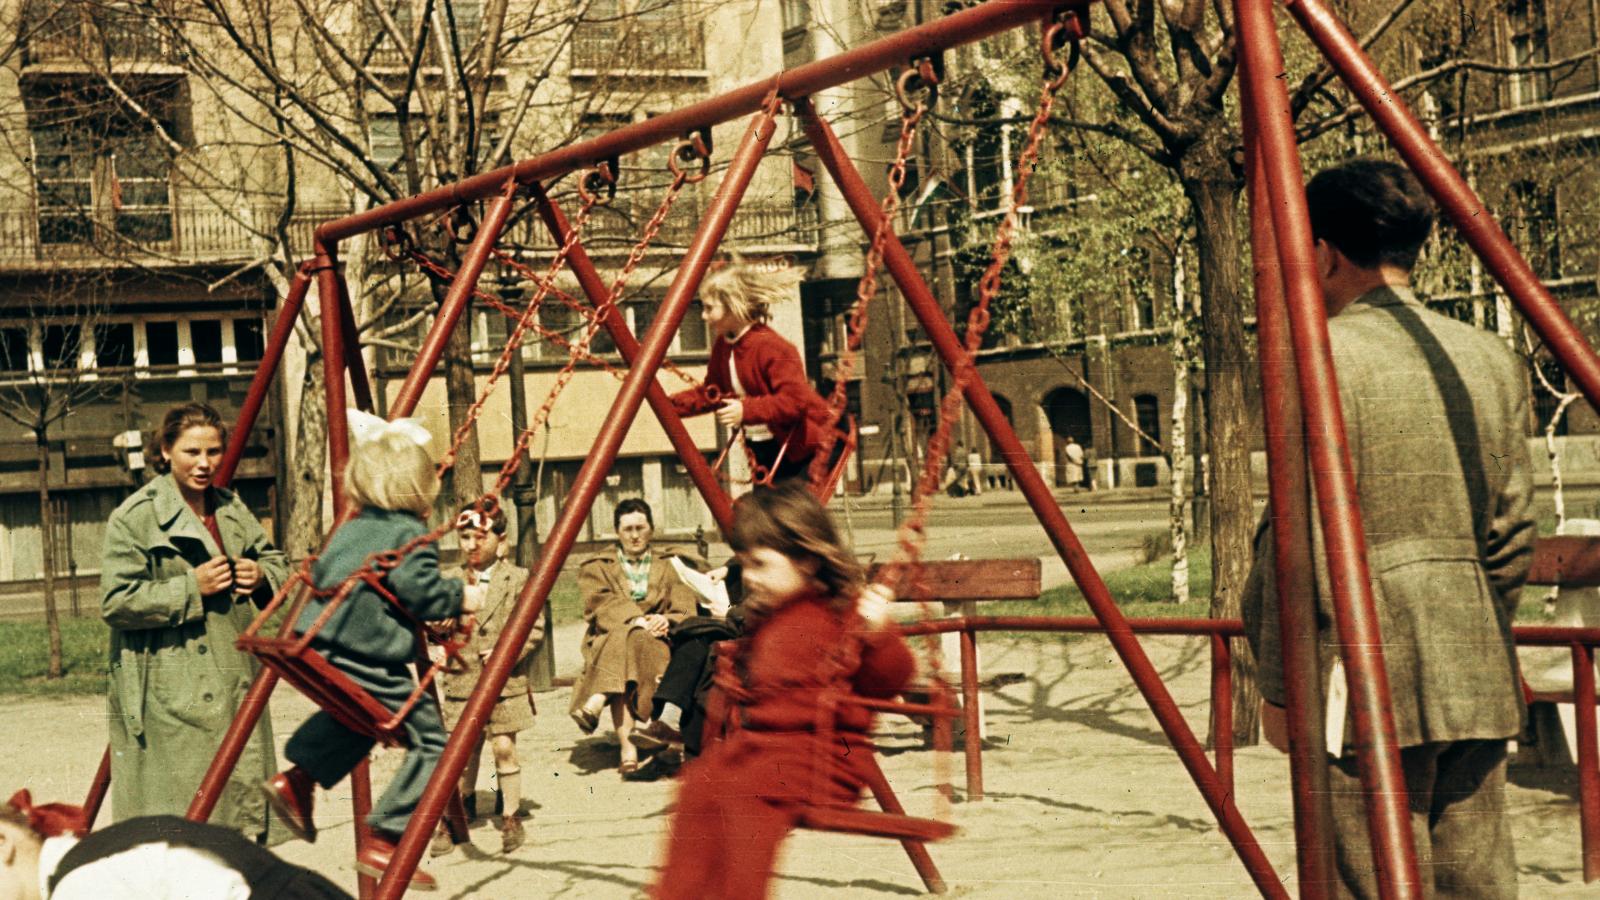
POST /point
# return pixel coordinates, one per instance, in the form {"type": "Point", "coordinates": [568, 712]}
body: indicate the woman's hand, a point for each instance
{"type": "Point", "coordinates": [873, 605]}
{"type": "Point", "coordinates": [215, 575]}
{"type": "Point", "coordinates": [656, 624]}
{"type": "Point", "coordinates": [246, 576]}
{"type": "Point", "coordinates": [731, 413]}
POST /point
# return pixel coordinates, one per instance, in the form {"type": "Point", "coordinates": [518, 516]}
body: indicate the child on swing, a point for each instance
{"type": "Point", "coordinates": [810, 628]}
{"type": "Point", "coordinates": [758, 378]}
{"type": "Point", "coordinates": [392, 481]}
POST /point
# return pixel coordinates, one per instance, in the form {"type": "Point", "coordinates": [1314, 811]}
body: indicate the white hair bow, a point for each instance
{"type": "Point", "coordinates": [366, 427]}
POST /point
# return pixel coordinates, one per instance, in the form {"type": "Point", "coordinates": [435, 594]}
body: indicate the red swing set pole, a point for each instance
{"type": "Point", "coordinates": [594, 287]}
{"type": "Point", "coordinates": [1338, 511]}
{"type": "Point", "coordinates": [580, 498]}
{"type": "Point", "coordinates": [1290, 498]}
{"type": "Point", "coordinates": [917, 295]}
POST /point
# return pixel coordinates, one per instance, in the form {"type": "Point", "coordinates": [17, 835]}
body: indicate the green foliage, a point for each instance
{"type": "Point", "coordinates": [85, 649]}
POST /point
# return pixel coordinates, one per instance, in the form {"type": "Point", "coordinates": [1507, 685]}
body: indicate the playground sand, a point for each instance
{"type": "Point", "coordinates": [1084, 798]}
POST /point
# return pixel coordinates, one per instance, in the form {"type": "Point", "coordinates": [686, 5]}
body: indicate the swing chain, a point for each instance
{"type": "Point", "coordinates": [913, 530]}
{"type": "Point", "coordinates": [599, 179]}
{"type": "Point", "coordinates": [397, 242]}
{"type": "Point", "coordinates": [922, 72]}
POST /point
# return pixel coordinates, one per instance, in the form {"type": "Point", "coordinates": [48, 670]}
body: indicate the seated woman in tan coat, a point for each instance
{"type": "Point", "coordinates": [631, 597]}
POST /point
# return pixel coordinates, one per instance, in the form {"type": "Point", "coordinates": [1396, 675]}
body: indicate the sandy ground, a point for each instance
{"type": "Point", "coordinates": [1084, 798]}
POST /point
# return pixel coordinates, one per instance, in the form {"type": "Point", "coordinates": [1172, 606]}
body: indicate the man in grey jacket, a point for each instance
{"type": "Point", "coordinates": [1435, 412]}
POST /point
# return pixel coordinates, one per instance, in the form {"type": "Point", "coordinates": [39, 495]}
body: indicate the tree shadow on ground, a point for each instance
{"type": "Point", "coordinates": [577, 872]}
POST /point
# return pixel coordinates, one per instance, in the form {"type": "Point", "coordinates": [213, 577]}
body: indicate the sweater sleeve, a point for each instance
{"type": "Point", "coordinates": [886, 664]}
{"type": "Point", "coordinates": [788, 392]}
{"type": "Point", "coordinates": [424, 591]}
{"type": "Point", "coordinates": [706, 397]}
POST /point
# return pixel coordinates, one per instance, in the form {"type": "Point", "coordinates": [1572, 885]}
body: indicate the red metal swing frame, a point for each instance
{"type": "Point", "coordinates": [1304, 424]}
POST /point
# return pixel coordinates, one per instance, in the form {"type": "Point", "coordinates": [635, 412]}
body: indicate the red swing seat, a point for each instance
{"type": "Point", "coordinates": [290, 655]}
{"type": "Point", "coordinates": [848, 817]}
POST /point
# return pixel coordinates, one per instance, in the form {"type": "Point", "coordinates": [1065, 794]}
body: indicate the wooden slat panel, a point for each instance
{"type": "Point", "coordinates": [980, 579]}
{"type": "Point", "coordinates": [1567, 560]}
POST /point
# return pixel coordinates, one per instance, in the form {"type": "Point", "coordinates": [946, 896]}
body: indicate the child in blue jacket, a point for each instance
{"type": "Point", "coordinates": [392, 480]}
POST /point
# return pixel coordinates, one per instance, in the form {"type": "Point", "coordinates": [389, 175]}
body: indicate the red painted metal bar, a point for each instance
{"type": "Point", "coordinates": [580, 498]}
{"type": "Point", "coordinates": [878, 784]}
{"type": "Point", "coordinates": [594, 287]}
{"type": "Point", "coordinates": [1344, 55]}
{"type": "Point", "coordinates": [1338, 510]}
{"type": "Point", "coordinates": [1290, 501]}
{"type": "Point", "coordinates": [361, 807]}
{"type": "Point", "coordinates": [97, 789]}
{"type": "Point", "coordinates": [454, 304]}
{"type": "Point", "coordinates": [961, 28]}
{"type": "Point", "coordinates": [1555, 635]}
{"type": "Point", "coordinates": [1583, 690]}
{"type": "Point", "coordinates": [1042, 500]}
{"type": "Point", "coordinates": [1075, 624]}
{"type": "Point", "coordinates": [360, 384]}
{"type": "Point", "coordinates": [1222, 709]}
{"type": "Point", "coordinates": [266, 370]}
{"type": "Point", "coordinates": [972, 741]}
{"type": "Point", "coordinates": [331, 295]}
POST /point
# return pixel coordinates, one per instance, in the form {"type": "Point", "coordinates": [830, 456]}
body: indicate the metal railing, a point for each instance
{"type": "Point", "coordinates": [61, 34]}
{"type": "Point", "coordinates": [203, 234]}
{"type": "Point", "coordinates": [640, 46]}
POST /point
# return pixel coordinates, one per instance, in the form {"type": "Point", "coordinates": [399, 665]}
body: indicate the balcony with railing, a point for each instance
{"type": "Point", "coordinates": [174, 236]}
{"type": "Point", "coordinates": [639, 46]}
{"type": "Point", "coordinates": [613, 229]}
{"type": "Point", "coordinates": [64, 34]}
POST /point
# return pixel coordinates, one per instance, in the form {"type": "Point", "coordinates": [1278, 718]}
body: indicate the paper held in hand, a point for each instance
{"type": "Point", "coordinates": [714, 591]}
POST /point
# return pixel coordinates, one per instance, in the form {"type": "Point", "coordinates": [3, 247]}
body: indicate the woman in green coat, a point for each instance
{"type": "Point", "coordinates": [183, 561]}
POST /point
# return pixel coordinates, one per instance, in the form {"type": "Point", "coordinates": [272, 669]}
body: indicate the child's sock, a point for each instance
{"type": "Point", "coordinates": [595, 703]}
{"type": "Point", "coordinates": [670, 715]}
{"type": "Point", "coordinates": [510, 790]}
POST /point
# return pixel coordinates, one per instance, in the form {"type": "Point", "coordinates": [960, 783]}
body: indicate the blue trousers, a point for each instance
{"type": "Point", "coordinates": [329, 751]}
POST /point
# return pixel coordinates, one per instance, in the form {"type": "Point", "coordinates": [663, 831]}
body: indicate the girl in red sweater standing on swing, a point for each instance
{"type": "Point", "coordinates": [755, 378]}
{"type": "Point", "coordinates": [811, 628]}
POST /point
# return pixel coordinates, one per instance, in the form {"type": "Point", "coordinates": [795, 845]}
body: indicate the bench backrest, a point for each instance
{"type": "Point", "coordinates": [959, 580]}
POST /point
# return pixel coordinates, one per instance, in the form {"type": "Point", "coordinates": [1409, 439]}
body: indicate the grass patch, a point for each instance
{"type": "Point", "coordinates": [85, 649]}
{"type": "Point", "coordinates": [25, 658]}
{"type": "Point", "coordinates": [1140, 591]}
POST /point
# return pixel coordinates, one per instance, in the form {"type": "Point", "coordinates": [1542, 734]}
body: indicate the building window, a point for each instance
{"type": "Point", "coordinates": [13, 349]}
{"type": "Point", "coordinates": [1530, 45]}
{"type": "Point", "coordinates": [1535, 227]}
{"type": "Point", "coordinates": [383, 140]}
{"type": "Point", "coordinates": [60, 346]}
{"type": "Point", "coordinates": [113, 345]}
{"type": "Point", "coordinates": [249, 344]}
{"type": "Point", "coordinates": [1147, 412]}
{"type": "Point", "coordinates": [100, 166]}
{"type": "Point", "coordinates": [796, 14]}
{"type": "Point", "coordinates": [692, 336]}
{"type": "Point", "coordinates": [205, 336]}
{"type": "Point", "coordinates": [161, 341]}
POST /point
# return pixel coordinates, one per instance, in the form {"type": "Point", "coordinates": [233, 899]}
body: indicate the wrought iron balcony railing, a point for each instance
{"type": "Point", "coordinates": [640, 46]}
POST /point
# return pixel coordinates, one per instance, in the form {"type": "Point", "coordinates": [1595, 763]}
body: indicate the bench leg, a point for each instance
{"type": "Point", "coordinates": [917, 850]}
{"type": "Point", "coordinates": [971, 715]}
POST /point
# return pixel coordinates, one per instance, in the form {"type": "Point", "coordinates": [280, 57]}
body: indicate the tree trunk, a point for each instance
{"type": "Point", "coordinates": [304, 534]}
{"type": "Point", "coordinates": [464, 481]}
{"type": "Point", "coordinates": [52, 622]}
{"type": "Point", "coordinates": [1178, 507]}
{"type": "Point", "coordinates": [1213, 193]}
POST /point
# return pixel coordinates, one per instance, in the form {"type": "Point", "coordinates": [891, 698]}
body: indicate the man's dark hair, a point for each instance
{"type": "Point", "coordinates": [632, 505]}
{"type": "Point", "coordinates": [1371, 210]}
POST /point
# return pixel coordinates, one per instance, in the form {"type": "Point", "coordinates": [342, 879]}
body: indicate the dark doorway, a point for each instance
{"type": "Point", "coordinates": [1068, 413]}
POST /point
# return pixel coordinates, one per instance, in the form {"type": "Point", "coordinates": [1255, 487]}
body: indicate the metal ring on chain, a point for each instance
{"type": "Point", "coordinates": [688, 150]}
{"type": "Point", "coordinates": [597, 181]}
{"type": "Point", "coordinates": [463, 228]}
{"type": "Point", "coordinates": [396, 242]}
{"type": "Point", "coordinates": [913, 80]}
{"type": "Point", "coordinates": [1068, 33]}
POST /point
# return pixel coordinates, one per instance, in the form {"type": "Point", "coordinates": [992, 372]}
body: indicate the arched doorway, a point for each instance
{"type": "Point", "coordinates": [1067, 411]}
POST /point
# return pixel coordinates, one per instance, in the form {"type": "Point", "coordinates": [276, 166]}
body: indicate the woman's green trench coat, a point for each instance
{"type": "Point", "coordinates": [176, 677]}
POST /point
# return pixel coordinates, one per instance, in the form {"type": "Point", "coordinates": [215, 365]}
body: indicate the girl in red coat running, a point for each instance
{"type": "Point", "coordinates": [811, 628]}
{"type": "Point", "coordinates": [758, 379]}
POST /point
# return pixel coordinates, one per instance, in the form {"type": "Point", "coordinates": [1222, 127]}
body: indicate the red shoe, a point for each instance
{"type": "Point", "coordinates": [289, 794]}
{"type": "Point", "coordinates": [373, 860]}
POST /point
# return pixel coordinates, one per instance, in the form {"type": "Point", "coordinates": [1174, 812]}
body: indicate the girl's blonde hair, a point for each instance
{"type": "Point", "coordinates": [748, 291]}
{"type": "Point", "coordinates": [392, 472]}
{"type": "Point", "coordinates": [791, 521]}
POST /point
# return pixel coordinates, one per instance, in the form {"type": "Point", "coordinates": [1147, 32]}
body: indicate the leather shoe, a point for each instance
{"type": "Point", "coordinates": [587, 721]}
{"type": "Point", "coordinates": [289, 795]}
{"type": "Point", "coordinates": [656, 736]}
{"type": "Point", "coordinates": [512, 834]}
{"type": "Point", "coordinates": [373, 859]}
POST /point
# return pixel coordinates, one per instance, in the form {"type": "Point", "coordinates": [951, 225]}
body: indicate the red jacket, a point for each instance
{"type": "Point", "coordinates": [795, 656]}
{"type": "Point", "coordinates": [777, 393]}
